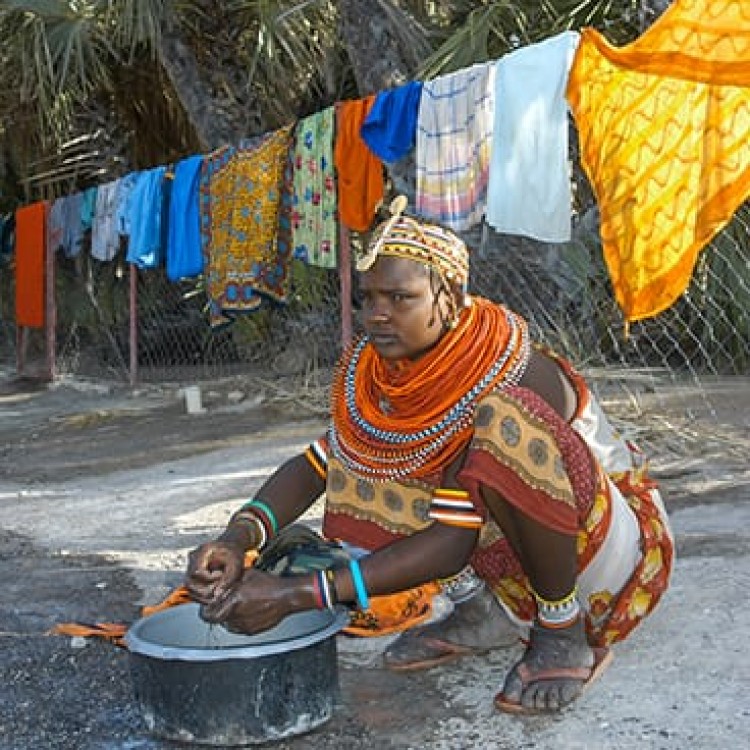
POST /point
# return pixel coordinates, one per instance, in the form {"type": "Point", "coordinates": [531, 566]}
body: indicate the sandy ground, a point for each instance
{"type": "Point", "coordinates": [104, 490]}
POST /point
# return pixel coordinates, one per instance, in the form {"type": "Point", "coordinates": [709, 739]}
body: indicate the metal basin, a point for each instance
{"type": "Point", "coordinates": [200, 683]}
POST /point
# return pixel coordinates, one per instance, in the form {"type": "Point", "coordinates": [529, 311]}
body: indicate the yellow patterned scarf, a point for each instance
{"type": "Point", "coordinates": [663, 125]}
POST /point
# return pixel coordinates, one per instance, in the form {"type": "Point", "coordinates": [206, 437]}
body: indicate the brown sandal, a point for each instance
{"type": "Point", "coordinates": [588, 675]}
{"type": "Point", "coordinates": [424, 652]}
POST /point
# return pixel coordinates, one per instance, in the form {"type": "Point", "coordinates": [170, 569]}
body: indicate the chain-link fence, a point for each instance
{"type": "Point", "coordinates": [155, 331]}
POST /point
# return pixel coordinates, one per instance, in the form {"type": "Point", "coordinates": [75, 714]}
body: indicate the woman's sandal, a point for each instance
{"type": "Point", "coordinates": [421, 651]}
{"type": "Point", "coordinates": [587, 675]}
{"type": "Point", "coordinates": [476, 625]}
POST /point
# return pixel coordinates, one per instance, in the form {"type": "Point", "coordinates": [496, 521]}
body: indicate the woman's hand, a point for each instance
{"type": "Point", "coordinates": [213, 569]}
{"type": "Point", "coordinates": [260, 601]}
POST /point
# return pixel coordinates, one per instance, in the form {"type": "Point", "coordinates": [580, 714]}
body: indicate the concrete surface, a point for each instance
{"type": "Point", "coordinates": [103, 491]}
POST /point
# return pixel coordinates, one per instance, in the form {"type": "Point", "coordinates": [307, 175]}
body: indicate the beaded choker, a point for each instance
{"type": "Point", "coordinates": [397, 420]}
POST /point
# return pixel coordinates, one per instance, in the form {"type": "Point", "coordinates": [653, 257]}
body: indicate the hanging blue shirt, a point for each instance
{"type": "Point", "coordinates": [390, 128]}
{"type": "Point", "coordinates": [184, 254]}
{"type": "Point", "coordinates": [143, 217]}
{"type": "Point", "coordinates": [88, 206]}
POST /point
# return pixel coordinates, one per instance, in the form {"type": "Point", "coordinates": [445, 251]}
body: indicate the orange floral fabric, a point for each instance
{"type": "Point", "coordinates": [588, 497]}
{"type": "Point", "coordinates": [663, 125]}
{"type": "Point", "coordinates": [394, 613]}
{"type": "Point", "coordinates": [617, 616]}
{"type": "Point", "coordinates": [528, 454]}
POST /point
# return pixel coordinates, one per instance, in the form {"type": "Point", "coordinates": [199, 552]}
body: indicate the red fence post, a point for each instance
{"type": "Point", "coordinates": [345, 281]}
{"type": "Point", "coordinates": [50, 316]}
{"type": "Point", "coordinates": [133, 297]}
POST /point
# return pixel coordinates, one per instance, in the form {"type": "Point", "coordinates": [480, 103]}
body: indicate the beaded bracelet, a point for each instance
{"type": "Point", "coordinates": [323, 589]}
{"type": "Point", "coordinates": [317, 591]}
{"type": "Point", "coordinates": [363, 601]}
{"type": "Point", "coordinates": [324, 583]}
{"type": "Point", "coordinates": [560, 613]}
{"type": "Point", "coordinates": [248, 516]}
{"type": "Point", "coordinates": [265, 513]}
{"type": "Point", "coordinates": [453, 507]}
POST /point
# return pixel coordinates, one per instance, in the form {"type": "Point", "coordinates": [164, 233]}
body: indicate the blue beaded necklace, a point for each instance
{"type": "Point", "coordinates": [384, 466]}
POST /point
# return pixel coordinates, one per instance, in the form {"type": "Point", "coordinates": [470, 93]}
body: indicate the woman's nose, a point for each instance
{"type": "Point", "coordinates": [377, 312]}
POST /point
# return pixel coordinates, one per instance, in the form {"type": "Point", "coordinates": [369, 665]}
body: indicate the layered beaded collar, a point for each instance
{"type": "Point", "coordinates": [391, 423]}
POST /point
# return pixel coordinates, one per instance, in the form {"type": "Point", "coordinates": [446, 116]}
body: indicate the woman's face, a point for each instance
{"type": "Point", "coordinates": [401, 313]}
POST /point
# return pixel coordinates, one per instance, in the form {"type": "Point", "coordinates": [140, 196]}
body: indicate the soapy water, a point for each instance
{"type": "Point", "coordinates": [212, 636]}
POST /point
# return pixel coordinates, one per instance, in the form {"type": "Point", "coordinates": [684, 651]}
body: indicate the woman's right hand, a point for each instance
{"type": "Point", "coordinates": [213, 569]}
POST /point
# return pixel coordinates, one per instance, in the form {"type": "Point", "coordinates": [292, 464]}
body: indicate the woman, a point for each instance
{"type": "Point", "coordinates": [455, 442]}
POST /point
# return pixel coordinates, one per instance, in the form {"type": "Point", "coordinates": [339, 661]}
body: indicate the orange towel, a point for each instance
{"type": "Point", "coordinates": [109, 631]}
{"type": "Point", "coordinates": [664, 127]}
{"type": "Point", "coordinates": [29, 264]}
{"type": "Point", "coordinates": [394, 613]}
{"type": "Point", "coordinates": [359, 171]}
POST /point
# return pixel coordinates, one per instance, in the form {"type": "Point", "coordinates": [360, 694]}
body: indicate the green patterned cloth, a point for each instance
{"type": "Point", "coordinates": [314, 208]}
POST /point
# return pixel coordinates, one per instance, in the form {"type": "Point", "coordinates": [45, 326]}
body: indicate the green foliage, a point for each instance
{"type": "Point", "coordinates": [487, 30]}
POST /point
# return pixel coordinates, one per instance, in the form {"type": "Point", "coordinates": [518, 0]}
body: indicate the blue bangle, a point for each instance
{"type": "Point", "coordinates": [363, 601]}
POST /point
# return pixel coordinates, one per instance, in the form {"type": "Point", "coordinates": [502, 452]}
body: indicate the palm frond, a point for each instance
{"type": "Point", "coordinates": [485, 31]}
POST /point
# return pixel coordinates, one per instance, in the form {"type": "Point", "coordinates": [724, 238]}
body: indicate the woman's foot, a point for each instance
{"type": "Point", "coordinates": [556, 668]}
{"type": "Point", "coordinates": [476, 625]}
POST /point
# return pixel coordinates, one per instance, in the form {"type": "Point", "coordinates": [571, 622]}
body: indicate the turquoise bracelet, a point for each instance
{"type": "Point", "coordinates": [363, 601]}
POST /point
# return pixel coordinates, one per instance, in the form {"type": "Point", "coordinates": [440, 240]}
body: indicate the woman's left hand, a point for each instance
{"type": "Point", "coordinates": [259, 601]}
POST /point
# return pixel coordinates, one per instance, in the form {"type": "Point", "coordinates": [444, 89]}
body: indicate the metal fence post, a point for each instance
{"type": "Point", "coordinates": [345, 281]}
{"type": "Point", "coordinates": [133, 304]}
{"type": "Point", "coordinates": [50, 317]}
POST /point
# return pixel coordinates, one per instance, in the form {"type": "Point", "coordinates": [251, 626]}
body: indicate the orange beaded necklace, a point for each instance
{"type": "Point", "coordinates": [410, 419]}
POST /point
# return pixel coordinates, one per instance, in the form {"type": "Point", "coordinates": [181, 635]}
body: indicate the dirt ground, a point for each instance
{"type": "Point", "coordinates": [104, 489]}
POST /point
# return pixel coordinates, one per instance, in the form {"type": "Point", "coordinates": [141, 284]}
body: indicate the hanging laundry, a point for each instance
{"type": "Point", "coordinates": [72, 237]}
{"type": "Point", "coordinates": [29, 266]}
{"type": "Point", "coordinates": [105, 237]}
{"type": "Point", "coordinates": [390, 128]}
{"type": "Point", "coordinates": [7, 238]}
{"type": "Point", "coordinates": [143, 219]}
{"type": "Point", "coordinates": [530, 183]}
{"type": "Point", "coordinates": [360, 172]}
{"type": "Point", "coordinates": [122, 202]}
{"type": "Point", "coordinates": [55, 225]}
{"type": "Point", "coordinates": [88, 207]}
{"type": "Point", "coordinates": [184, 254]}
{"type": "Point", "coordinates": [454, 138]}
{"type": "Point", "coordinates": [246, 256]}
{"type": "Point", "coordinates": [664, 126]}
{"type": "Point", "coordinates": [166, 202]}
{"type": "Point", "coordinates": [314, 216]}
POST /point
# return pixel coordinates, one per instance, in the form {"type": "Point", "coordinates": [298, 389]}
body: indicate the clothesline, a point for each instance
{"type": "Point", "coordinates": [491, 144]}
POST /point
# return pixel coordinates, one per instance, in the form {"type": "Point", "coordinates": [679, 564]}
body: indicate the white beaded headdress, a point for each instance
{"type": "Point", "coordinates": [414, 239]}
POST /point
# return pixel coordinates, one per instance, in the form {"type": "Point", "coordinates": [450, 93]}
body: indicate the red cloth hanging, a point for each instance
{"type": "Point", "coordinates": [29, 264]}
{"type": "Point", "coordinates": [360, 172]}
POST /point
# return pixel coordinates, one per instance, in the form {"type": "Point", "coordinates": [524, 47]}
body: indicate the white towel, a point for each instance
{"type": "Point", "coordinates": [529, 184]}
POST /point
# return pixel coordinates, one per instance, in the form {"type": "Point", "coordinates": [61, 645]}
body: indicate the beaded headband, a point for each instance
{"type": "Point", "coordinates": [406, 237]}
